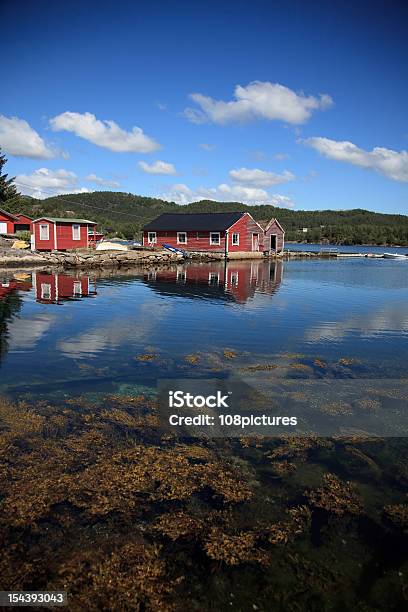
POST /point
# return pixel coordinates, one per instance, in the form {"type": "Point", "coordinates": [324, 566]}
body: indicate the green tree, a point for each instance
{"type": "Point", "coordinates": [9, 196]}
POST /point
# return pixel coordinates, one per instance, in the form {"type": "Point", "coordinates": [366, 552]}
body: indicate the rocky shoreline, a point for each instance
{"type": "Point", "coordinates": [121, 259]}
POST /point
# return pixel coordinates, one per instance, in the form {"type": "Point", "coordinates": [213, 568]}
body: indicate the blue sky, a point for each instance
{"type": "Point", "coordinates": [292, 103]}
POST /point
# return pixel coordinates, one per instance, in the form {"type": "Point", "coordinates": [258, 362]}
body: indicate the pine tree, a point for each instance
{"type": "Point", "coordinates": [9, 196]}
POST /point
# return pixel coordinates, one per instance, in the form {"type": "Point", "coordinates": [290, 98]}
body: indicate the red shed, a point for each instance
{"type": "Point", "coordinates": [218, 232]}
{"type": "Point", "coordinates": [7, 221]}
{"type": "Point", "coordinates": [23, 223]}
{"type": "Point", "coordinates": [61, 234]}
{"type": "Point", "coordinates": [274, 236]}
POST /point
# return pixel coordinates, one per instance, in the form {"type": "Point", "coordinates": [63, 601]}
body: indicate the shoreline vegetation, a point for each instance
{"type": "Point", "coordinates": [124, 215]}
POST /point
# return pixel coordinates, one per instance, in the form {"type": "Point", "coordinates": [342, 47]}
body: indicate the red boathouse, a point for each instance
{"type": "Point", "coordinates": [61, 234]}
{"type": "Point", "coordinates": [23, 223]}
{"type": "Point", "coordinates": [217, 232]}
{"type": "Point", "coordinates": [274, 237]}
{"type": "Point", "coordinates": [7, 221]}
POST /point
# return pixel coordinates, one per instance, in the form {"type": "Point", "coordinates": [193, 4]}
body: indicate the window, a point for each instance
{"type": "Point", "coordinates": [76, 232]}
{"type": "Point", "coordinates": [235, 239]}
{"type": "Point", "coordinates": [77, 289]}
{"type": "Point", "coordinates": [45, 291]}
{"type": "Point", "coordinates": [215, 238]}
{"type": "Point", "coordinates": [151, 237]}
{"type": "Point", "coordinates": [44, 232]}
{"type": "Point", "coordinates": [181, 276]}
{"type": "Point", "coordinates": [213, 278]}
{"type": "Point", "coordinates": [234, 279]}
{"type": "Point", "coordinates": [181, 237]}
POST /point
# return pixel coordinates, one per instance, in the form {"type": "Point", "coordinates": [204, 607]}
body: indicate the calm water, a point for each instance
{"type": "Point", "coordinates": [98, 501]}
{"type": "Point", "coordinates": [356, 248]}
{"type": "Point", "coordinates": [61, 330]}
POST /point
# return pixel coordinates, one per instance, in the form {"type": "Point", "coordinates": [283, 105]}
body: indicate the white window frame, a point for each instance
{"type": "Point", "coordinates": [216, 243]}
{"type": "Point", "coordinates": [181, 241]}
{"type": "Point", "coordinates": [234, 279]}
{"type": "Point", "coordinates": [76, 227]}
{"type": "Point", "coordinates": [214, 278]}
{"type": "Point", "coordinates": [236, 243]}
{"type": "Point", "coordinates": [46, 227]}
{"type": "Point", "coordinates": [150, 239]}
{"type": "Point", "coordinates": [45, 291]}
{"type": "Point", "coordinates": [77, 289]}
{"type": "Point", "coordinates": [181, 276]}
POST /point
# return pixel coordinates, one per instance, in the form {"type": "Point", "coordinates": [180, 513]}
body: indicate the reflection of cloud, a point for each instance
{"type": "Point", "coordinates": [389, 319]}
{"type": "Point", "coordinates": [25, 333]}
{"type": "Point", "coordinates": [115, 332]}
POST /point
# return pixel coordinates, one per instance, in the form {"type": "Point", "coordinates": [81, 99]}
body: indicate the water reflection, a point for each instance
{"type": "Point", "coordinates": [56, 288]}
{"type": "Point", "coordinates": [236, 282]}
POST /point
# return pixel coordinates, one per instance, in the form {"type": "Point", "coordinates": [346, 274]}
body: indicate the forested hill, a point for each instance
{"type": "Point", "coordinates": [125, 214]}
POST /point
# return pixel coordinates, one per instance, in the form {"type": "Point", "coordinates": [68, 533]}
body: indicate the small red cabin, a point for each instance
{"type": "Point", "coordinates": [216, 232]}
{"type": "Point", "coordinates": [61, 234]}
{"type": "Point", "coordinates": [23, 223]}
{"type": "Point", "coordinates": [274, 236]}
{"type": "Point", "coordinates": [7, 221]}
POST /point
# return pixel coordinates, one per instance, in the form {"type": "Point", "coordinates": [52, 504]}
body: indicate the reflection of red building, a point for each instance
{"type": "Point", "coordinates": [55, 288]}
{"type": "Point", "coordinates": [9, 285]}
{"type": "Point", "coordinates": [236, 281]}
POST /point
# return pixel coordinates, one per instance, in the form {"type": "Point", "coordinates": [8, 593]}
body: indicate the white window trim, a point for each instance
{"type": "Point", "coordinates": [234, 279]}
{"type": "Point", "coordinates": [153, 240]}
{"type": "Point", "coordinates": [212, 243]}
{"type": "Point", "coordinates": [232, 239]}
{"type": "Point", "coordinates": [178, 238]}
{"type": "Point", "coordinates": [45, 289]}
{"type": "Point", "coordinates": [214, 276]}
{"type": "Point", "coordinates": [77, 285]}
{"type": "Point", "coordinates": [44, 226]}
{"type": "Point", "coordinates": [76, 226]}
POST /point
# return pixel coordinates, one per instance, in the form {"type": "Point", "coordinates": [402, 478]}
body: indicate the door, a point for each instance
{"type": "Point", "coordinates": [255, 242]}
{"type": "Point", "coordinates": [273, 242]}
{"type": "Point", "coordinates": [3, 228]}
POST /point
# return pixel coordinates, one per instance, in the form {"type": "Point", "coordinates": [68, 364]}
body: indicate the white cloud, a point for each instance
{"type": "Point", "coordinates": [18, 138]}
{"type": "Point", "coordinates": [260, 178]}
{"type": "Point", "coordinates": [258, 100]}
{"type": "Point", "coordinates": [161, 106]}
{"type": "Point", "coordinates": [280, 156]}
{"type": "Point", "coordinates": [93, 178]}
{"type": "Point", "coordinates": [182, 194]}
{"type": "Point", "coordinates": [393, 164]}
{"type": "Point", "coordinates": [105, 134]}
{"type": "Point", "coordinates": [157, 167]}
{"type": "Point", "coordinates": [44, 183]}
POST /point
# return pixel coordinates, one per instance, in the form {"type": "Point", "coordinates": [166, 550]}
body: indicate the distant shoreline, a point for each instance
{"type": "Point", "coordinates": [337, 244]}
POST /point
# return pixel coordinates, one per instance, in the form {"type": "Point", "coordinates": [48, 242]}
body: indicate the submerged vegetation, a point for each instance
{"type": "Point", "coordinates": [97, 500]}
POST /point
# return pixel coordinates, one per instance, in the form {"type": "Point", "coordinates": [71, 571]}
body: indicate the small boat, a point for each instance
{"type": "Point", "coordinates": [174, 249]}
{"type": "Point", "coordinates": [106, 245]}
{"type": "Point", "coordinates": [395, 256]}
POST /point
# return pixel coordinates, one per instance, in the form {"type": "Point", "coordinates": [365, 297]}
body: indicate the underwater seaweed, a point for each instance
{"type": "Point", "coordinates": [336, 497]}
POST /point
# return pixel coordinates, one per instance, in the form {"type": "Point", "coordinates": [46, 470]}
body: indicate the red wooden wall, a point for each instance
{"type": "Point", "coordinates": [63, 234]}
{"type": "Point", "coordinates": [280, 237]}
{"type": "Point", "coordinates": [200, 240]}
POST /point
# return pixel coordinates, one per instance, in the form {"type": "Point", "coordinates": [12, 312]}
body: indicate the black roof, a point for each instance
{"type": "Point", "coordinates": [211, 222]}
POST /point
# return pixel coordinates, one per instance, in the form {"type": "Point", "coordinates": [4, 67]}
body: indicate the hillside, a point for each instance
{"type": "Point", "coordinates": [125, 214]}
